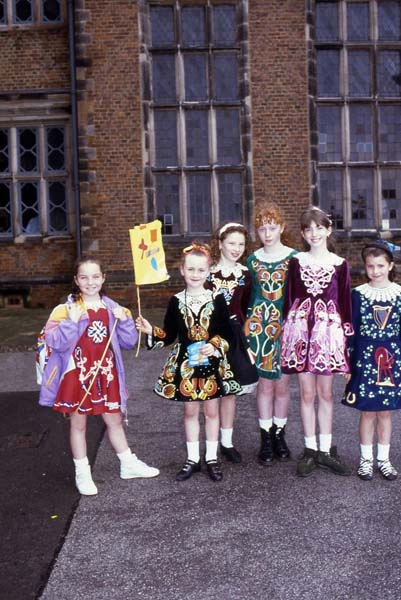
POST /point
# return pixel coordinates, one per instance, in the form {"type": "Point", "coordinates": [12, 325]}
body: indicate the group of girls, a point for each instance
{"type": "Point", "coordinates": [234, 328]}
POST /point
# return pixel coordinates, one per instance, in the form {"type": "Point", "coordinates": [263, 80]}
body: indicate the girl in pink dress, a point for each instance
{"type": "Point", "coordinates": [317, 321]}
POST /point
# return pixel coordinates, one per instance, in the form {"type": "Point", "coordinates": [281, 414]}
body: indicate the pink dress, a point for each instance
{"type": "Point", "coordinates": [317, 316]}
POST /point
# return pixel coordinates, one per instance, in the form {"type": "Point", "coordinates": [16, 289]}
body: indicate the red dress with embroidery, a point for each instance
{"type": "Point", "coordinates": [104, 395]}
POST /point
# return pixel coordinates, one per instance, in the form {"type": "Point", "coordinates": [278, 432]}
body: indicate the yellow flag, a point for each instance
{"type": "Point", "coordinates": [148, 253]}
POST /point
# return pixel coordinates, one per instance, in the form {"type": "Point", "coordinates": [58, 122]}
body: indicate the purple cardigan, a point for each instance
{"type": "Point", "coordinates": [62, 335]}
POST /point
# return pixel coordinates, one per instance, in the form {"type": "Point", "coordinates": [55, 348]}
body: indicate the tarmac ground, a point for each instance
{"type": "Point", "coordinates": [260, 533]}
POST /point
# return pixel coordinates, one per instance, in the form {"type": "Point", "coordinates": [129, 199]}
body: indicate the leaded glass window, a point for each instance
{"type": "Point", "coordinates": [23, 11]}
{"type": "Point", "coordinates": [197, 167]}
{"type": "Point", "coordinates": [34, 181]}
{"type": "Point", "coordinates": [3, 15]}
{"type": "Point", "coordinates": [358, 112]}
{"type": "Point", "coordinates": [51, 11]}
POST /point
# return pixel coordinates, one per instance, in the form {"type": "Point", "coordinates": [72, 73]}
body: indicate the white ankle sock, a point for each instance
{"type": "Point", "coordinates": [310, 442]}
{"type": "Point", "coordinates": [265, 424]}
{"type": "Point", "coordinates": [125, 456]}
{"type": "Point", "coordinates": [367, 451]}
{"type": "Point", "coordinates": [383, 452]}
{"type": "Point", "coordinates": [193, 451]}
{"type": "Point", "coordinates": [80, 462]}
{"type": "Point", "coordinates": [226, 437]}
{"type": "Point", "coordinates": [279, 422]}
{"type": "Point", "coordinates": [325, 442]}
{"type": "Point", "coordinates": [211, 450]}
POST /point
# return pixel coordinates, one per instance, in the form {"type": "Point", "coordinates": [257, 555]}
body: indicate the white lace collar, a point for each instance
{"type": "Point", "coordinates": [226, 271]}
{"type": "Point", "coordinates": [332, 260]}
{"type": "Point", "coordinates": [195, 303]}
{"type": "Point", "coordinates": [387, 294]}
{"type": "Point", "coordinates": [283, 253]}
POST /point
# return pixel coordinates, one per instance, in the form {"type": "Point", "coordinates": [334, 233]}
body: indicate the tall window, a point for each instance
{"type": "Point", "coordinates": [34, 181]}
{"type": "Point", "coordinates": [28, 12]}
{"type": "Point", "coordinates": [358, 112]}
{"type": "Point", "coordinates": [196, 159]}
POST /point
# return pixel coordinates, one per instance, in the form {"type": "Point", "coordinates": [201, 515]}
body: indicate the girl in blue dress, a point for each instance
{"type": "Point", "coordinates": [374, 386]}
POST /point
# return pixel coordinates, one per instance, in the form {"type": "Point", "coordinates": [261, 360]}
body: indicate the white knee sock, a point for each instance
{"type": "Point", "coordinates": [279, 422]}
{"type": "Point", "coordinates": [211, 450]}
{"type": "Point", "coordinates": [226, 437]}
{"type": "Point", "coordinates": [265, 424]}
{"type": "Point", "coordinates": [325, 442]}
{"type": "Point", "coordinates": [383, 452]}
{"type": "Point", "coordinates": [193, 453]}
{"type": "Point", "coordinates": [311, 442]}
{"type": "Point", "coordinates": [367, 451]}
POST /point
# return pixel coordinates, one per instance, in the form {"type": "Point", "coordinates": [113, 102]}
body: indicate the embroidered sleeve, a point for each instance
{"type": "Point", "coordinates": [164, 336]}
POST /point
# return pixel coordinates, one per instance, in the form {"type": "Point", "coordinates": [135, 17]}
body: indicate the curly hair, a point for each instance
{"type": "Point", "coordinates": [224, 231]}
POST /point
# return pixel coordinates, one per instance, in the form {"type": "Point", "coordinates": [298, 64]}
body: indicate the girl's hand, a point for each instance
{"type": "Point", "coordinates": [75, 311]}
{"type": "Point", "coordinates": [120, 313]}
{"type": "Point", "coordinates": [207, 350]}
{"type": "Point", "coordinates": [143, 325]}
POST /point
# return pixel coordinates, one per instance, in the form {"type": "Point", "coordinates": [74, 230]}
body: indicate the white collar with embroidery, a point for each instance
{"type": "Point", "coordinates": [283, 253]}
{"type": "Point", "coordinates": [199, 299]}
{"type": "Point", "coordinates": [226, 271]}
{"type": "Point", "coordinates": [387, 294]}
{"type": "Point", "coordinates": [330, 260]}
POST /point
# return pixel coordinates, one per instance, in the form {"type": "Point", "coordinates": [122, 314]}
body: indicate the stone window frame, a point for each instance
{"type": "Point", "coordinates": [37, 17]}
{"type": "Point", "coordinates": [42, 177]}
{"type": "Point", "coordinates": [184, 171]}
{"type": "Point", "coordinates": [344, 102]}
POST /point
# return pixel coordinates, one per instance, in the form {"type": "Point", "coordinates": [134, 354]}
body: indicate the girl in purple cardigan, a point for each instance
{"type": "Point", "coordinates": [85, 374]}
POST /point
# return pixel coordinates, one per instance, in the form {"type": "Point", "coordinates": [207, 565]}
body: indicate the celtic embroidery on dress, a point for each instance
{"type": "Point", "coordinates": [316, 277]}
{"type": "Point", "coordinates": [97, 331]}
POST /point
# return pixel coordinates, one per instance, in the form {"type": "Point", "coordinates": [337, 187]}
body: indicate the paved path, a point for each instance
{"type": "Point", "coordinates": [262, 533]}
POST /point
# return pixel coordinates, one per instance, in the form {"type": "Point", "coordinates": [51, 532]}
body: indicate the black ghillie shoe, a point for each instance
{"type": "Point", "coordinates": [189, 468]}
{"type": "Point", "coordinates": [280, 448]}
{"type": "Point", "coordinates": [231, 454]}
{"type": "Point", "coordinates": [265, 456]}
{"type": "Point", "coordinates": [214, 470]}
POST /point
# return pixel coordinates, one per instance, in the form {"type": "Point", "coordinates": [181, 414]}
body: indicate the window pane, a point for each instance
{"type": "Point", "coordinates": [162, 23]}
{"type": "Point", "coordinates": [228, 136]}
{"type": "Point", "coordinates": [362, 198]}
{"type": "Point", "coordinates": [389, 20]}
{"type": "Point", "coordinates": [193, 26]}
{"type": "Point", "coordinates": [55, 149]}
{"type": "Point", "coordinates": [4, 151]}
{"type": "Point", "coordinates": [51, 11]}
{"type": "Point", "coordinates": [331, 195]}
{"type": "Point", "coordinates": [391, 198]}
{"type": "Point", "coordinates": [225, 75]}
{"type": "Point", "coordinates": [389, 78]}
{"type": "Point", "coordinates": [29, 202]}
{"type": "Point", "coordinates": [195, 69]}
{"type": "Point", "coordinates": [163, 78]}
{"type": "Point", "coordinates": [390, 133]}
{"type": "Point", "coordinates": [224, 25]}
{"type": "Point", "coordinates": [5, 208]}
{"type": "Point", "coordinates": [166, 138]}
{"type": "Point", "coordinates": [329, 126]}
{"type": "Point", "coordinates": [198, 191]}
{"type": "Point", "coordinates": [2, 13]}
{"type": "Point", "coordinates": [57, 206]}
{"type": "Point", "coordinates": [27, 150]}
{"type": "Point", "coordinates": [359, 83]}
{"type": "Point", "coordinates": [23, 11]}
{"type": "Point", "coordinates": [230, 197]}
{"type": "Point", "coordinates": [168, 202]}
{"type": "Point", "coordinates": [327, 21]}
{"type": "Point", "coordinates": [361, 132]}
{"type": "Point", "coordinates": [197, 137]}
{"type": "Point", "coordinates": [328, 80]}
{"type": "Point", "coordinates": [358, 21]}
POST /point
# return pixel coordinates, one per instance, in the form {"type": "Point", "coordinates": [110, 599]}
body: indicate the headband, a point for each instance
{"type": "Point", "coordinates": [228, 225]}
{"type": "Point", "coordinates": [194, 247]}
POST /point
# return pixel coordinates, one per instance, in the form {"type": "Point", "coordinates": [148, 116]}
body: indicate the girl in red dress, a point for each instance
{"type": "Point", "coordinates": [85, 374]}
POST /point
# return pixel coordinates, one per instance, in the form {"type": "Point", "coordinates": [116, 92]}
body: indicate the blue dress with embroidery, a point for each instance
{"type": "Point", "coordinates": [375, 383]}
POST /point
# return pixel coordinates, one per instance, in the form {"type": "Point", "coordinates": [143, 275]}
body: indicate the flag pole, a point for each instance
{"type": "Point", "coordinates": [138, 297]}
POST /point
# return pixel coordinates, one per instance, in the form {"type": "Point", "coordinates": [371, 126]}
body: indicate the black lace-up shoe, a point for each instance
{"type": "Point", "coordinates": [280, 448]}
{"type": "Point", "coordinates": [265, 456]}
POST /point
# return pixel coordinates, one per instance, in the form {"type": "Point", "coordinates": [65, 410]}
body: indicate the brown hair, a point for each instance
{"type": "Point", "coordinates": [379, 249]}
{"type": "Point", "coordinates": [197, 249]}
{"type": "Point", "coordinates": [85, 258]}
{"type": "Point", "coordinates": [220, 235]}
{"type": "Point", "coordinates": [316, 215]}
